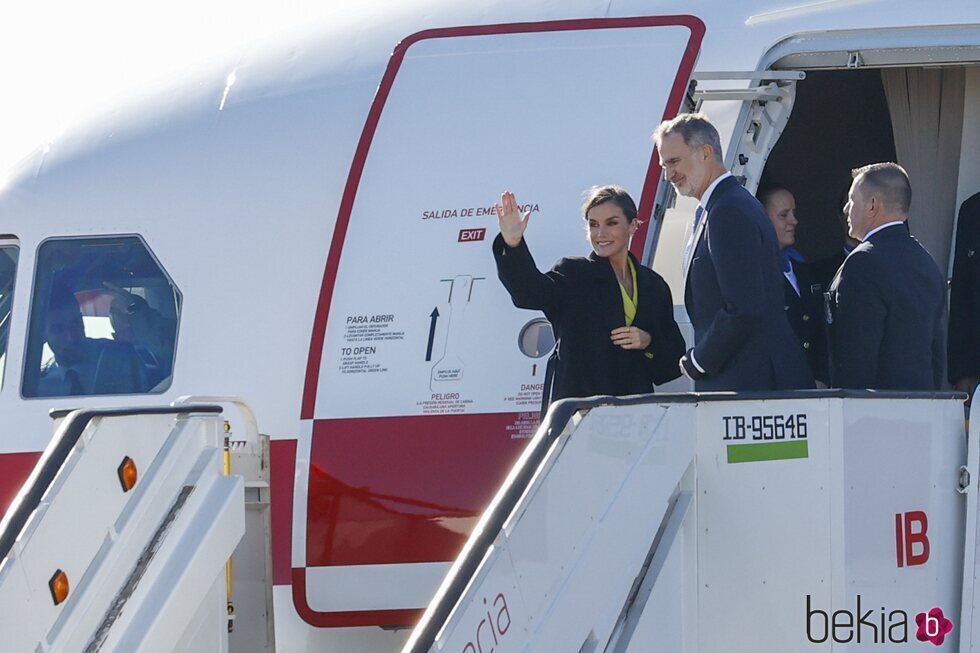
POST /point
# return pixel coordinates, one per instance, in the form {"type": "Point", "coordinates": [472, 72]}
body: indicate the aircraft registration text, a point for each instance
{"type": "Point", "coordinates": [765, 427]}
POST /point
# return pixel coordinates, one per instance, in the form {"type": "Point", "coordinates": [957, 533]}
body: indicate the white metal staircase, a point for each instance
{"type": "Point", "coordinates": [120, 538]}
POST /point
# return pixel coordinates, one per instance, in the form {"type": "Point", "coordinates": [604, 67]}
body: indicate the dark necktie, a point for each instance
{"type": "Point", "coordinates": [689, 248]}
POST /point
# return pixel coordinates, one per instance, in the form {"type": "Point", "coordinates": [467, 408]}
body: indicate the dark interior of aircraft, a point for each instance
{"type": "Point", "coordinates": [840, 122]}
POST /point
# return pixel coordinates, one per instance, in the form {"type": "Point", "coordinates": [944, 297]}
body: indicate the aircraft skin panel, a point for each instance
{"type": "Point", "coordinates": [397, 619]}
{"type": "Point", "coordinates": [393, 587]}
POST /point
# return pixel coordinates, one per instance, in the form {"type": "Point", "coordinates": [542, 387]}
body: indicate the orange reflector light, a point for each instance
{"type": "Point", "coordinates": [58, 586]}
{"type": "Point", "coordinates": [127, 474]}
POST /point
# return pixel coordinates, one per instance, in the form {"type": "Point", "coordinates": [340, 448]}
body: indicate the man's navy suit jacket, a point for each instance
{"type": "Point", "coordinates": [734, 297]}
{"type": "Point", "coordinates": [886, 313]}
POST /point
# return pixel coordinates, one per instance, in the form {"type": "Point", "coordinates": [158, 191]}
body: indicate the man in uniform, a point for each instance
{"type": "Point", "coordinates": [886, 306]}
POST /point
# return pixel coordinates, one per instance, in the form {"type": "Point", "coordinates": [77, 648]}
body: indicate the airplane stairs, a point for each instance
{"type": "Point", "coordinates": [800, 521]}
{"type": "Point", "coordinates": [120, 537]}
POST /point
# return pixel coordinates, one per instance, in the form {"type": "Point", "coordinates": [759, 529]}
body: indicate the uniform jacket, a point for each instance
{"type": "Point", "coordinates": [582, 300]}
{"type": "Point", "coordinates": [886, 316]}
{"type": "Point", "coordinates": [964, 295]}
{"type": "Point", "coordinates": [734, 297]}
{"type": "Point", "coordinates": [805, 311]}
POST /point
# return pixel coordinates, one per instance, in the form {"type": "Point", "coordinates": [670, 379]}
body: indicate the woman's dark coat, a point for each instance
{"type": "Point", "coordinates": [581, 298]}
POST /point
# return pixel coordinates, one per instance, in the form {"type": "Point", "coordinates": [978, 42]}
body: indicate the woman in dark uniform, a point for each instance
{"type": "Point", "coordinates": [613, 318]}
{"type": "Point", "coordinates": [804, 283]}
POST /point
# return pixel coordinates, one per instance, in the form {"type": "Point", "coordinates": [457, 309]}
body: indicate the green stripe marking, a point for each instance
{"type": "Point", "coordinates": [752, 453]}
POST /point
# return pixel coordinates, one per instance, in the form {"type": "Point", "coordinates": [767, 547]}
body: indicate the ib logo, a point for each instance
{"type": "Point", "coordinates": [933, 626]}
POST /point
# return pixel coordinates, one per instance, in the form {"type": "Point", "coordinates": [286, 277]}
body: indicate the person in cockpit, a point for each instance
{"type": "Point", "coordinates": [83, 365]}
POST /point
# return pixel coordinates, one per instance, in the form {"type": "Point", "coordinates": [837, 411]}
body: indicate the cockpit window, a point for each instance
{"type": "Point", "coordinates": [8, 269]}
{"type": "Point", "coordinates": [103, 320]}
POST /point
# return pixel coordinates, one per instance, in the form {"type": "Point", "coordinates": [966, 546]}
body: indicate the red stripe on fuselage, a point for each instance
{"type": "Point", "coordinates": [403, 489]}
{"type": "Point", "coordinates": [282, 467]}
{"type": "Point", "coordinates": [14, 470]}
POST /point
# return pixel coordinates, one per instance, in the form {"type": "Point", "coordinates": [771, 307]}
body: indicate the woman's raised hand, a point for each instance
{"type": "Point", "coordinates": [512, 224]}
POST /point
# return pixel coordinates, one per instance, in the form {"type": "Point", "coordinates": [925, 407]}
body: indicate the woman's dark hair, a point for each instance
{"type": "Point", "coordinates": [767, 191]}
{"type": "Point", "coordinates": [601, 194]}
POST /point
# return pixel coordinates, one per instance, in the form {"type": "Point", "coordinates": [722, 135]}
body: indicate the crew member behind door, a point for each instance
{"type": "Point", "coordinates": [734, 281]}
{"type": "Point", "coordinates": [803, 283]}
{"type": "Point", "coordinates": [963, 353]}
{"type": "Point", "coordinates": [613, 318]}
{"type": "Point", "coordinates": [886, 306]}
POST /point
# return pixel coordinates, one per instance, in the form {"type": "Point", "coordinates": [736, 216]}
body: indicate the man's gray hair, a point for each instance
{"type": "Point", "coordinates": [694, 128]}
{"type": "Point", "coordinates": [889, 181]}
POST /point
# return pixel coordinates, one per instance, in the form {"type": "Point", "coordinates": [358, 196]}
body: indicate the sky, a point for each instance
{"type": "Point", "coordinates": [62, 61]}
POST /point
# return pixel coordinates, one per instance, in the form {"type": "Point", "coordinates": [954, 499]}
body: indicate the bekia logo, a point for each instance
{"type": "Point", "coordinates": [881, 626]}
{"type": "Point", "coordinates": [933, 626]}
{"type": "Point", "coordinates": [480, 641]}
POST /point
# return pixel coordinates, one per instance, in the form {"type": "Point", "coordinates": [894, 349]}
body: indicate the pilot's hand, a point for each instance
{"type": "Point", "coordinates": [630, 337]}
{"type": "Point", "coordinates": [123, 300]}
{"type": "Point", "coordinates": [127, 311]}
{"type": "Point", "coordinates": [512, 225]}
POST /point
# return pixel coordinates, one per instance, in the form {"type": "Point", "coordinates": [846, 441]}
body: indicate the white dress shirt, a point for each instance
{"type": "Point", "coordinates": [704, 203]}
{"type": "Point", "coordinates": [879, 228]}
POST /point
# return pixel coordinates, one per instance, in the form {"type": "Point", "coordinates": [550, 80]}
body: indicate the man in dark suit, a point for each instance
{"type": "Point", "coordinates": [886, 306]}
{"type": "Point", "coordinates": [734, 289]}
{"type": "Point", "coordinates": [963, 353]}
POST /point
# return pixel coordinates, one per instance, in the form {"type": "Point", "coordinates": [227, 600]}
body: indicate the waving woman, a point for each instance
{"type": "Point", "coordinates": [613, 318]}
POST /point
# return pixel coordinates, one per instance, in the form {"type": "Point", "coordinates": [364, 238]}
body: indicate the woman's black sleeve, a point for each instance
{"type": "Point", "coordinates": [528, 286]}
{"type": "Point", "coordinates": [667, 343]}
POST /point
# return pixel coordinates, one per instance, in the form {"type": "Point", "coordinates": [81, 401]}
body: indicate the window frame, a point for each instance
{"type": "Point", "coordinates": [8, 241]}
{"type": "Point", "coordinates": [178, 304]}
